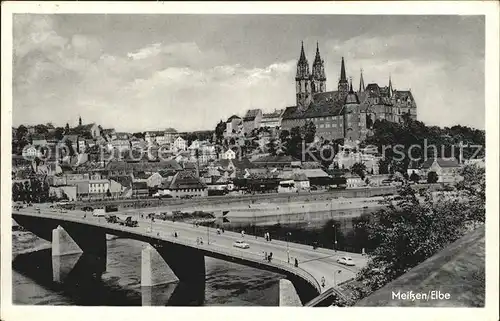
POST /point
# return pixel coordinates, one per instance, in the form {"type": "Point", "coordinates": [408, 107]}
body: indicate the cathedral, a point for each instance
{"type": "Point", "coordinates": [342, 113]}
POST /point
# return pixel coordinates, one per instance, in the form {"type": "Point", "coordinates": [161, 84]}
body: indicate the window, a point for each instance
{"type": "Point", "coordinates": [327, 125]}
{"type": "Point", "coordinates": [321, 119]}
{"type": "Point", "coordinates": [334, 125]}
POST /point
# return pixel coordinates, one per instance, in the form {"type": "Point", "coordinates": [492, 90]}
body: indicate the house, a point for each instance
{"type": "Point", "coordinates": [119, 144]}
{"type": "Point", "coordinates": [39, 141]}
{"type": "Point", "coordinates": [162, 140]}
{"type": "Point", "coordinates": [252, 120]}
{"type": "Point", "coordinates": [122, 136]}
{"type": "Point", "coordinates": [185, 183]}
{"type": "Point", "coordinates": [413, 167]}
{"type": "Point", "coordinates": [353, 181]}
{"type": "Point", "coordinates": [170, 134]}
{"type": "Point", "coordinates": [233, 126]}
{"type": "Point", "coordinates": [115, 188]}
{"type": "Point", "coordinates": [180, 143]}
{"type": "Point", "coordinates": [316, 176]}
{"type": "Point", "coordinates": [279, 161]}
{"type": "Point", "coordinates": [154, 180]}
{"type": "Point", "coordinates": [228, 154]}
{"type": "Point", "coordinates": [89, 130]}
{"type": "Point", "coordinates": [447, 169]}
{"type": "Point", "coordinates": [140, 189]}
{"type": "Point", "coordinates": [273, 119]}
{"type": "Point", "coordinates": [301, 181]}
{"type": "Point", "coordinates": [109, 134]}
{"type": "Point", "coordinates": [98, 186]}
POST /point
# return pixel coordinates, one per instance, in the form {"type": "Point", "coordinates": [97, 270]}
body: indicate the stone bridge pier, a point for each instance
{"type": "Point", "coordinates": [69, 242]}
{"type": "Point", "coordinates": [166, 263]}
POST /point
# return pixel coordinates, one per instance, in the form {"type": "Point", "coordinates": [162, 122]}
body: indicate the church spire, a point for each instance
{"type": "Point", "coordinates": [343, 86]}
{"type": "Point", "coordinates": [303, 81]}
{"type": "Point", "coordinates": [390, 86]}
{"type": "Point", "coordinates": [317, 59]}
{"type": "Point", "coordinates": [302, 58]}
{"type": "Point", "coordinates": [350, 86]}
{"type": "Point", "coordinates": [342, 71]}
{"type": "Point", "coordinates": [361, 83]}
{"type": "Point", "coordinates": [318, 83]}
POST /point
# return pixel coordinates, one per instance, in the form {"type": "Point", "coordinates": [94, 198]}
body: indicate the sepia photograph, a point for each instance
{"type": "Point", "coordinates": [279, 159]}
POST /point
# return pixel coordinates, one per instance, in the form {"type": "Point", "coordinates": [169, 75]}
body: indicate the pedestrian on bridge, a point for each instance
{"type": "Point", "coordinates": [323, 281]}
{"type": "Point", "coordinates": [296, 262]}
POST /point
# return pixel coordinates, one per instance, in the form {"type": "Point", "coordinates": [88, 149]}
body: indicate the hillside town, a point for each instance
{"type": "Point", "coordinates": [258, 152]}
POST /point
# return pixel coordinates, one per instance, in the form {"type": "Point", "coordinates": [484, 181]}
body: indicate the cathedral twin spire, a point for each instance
{"type": "Point", "coordinates": [309, 83]}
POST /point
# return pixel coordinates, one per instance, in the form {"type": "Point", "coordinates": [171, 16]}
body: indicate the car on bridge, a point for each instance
{"type": "Point", "coordinates": [240, 244]}
{"type": "Point", "coordinates": [346, 260]}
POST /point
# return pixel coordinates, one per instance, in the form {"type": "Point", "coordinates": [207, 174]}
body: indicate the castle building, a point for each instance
{"type": "Point", "coordinates": [343, 113]}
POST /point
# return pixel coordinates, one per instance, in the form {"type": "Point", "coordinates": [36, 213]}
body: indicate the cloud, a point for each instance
{"type": "Point", "coordinates": [183, 84]}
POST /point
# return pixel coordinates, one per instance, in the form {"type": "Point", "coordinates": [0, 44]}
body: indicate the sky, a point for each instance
{"type": "Point", "coordinates": [139, 72]}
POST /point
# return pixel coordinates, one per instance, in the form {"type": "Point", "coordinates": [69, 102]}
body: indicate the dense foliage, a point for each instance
{"type": "Point", "coordinates": [32, 191]}
{"type": "Point", "coordinates": [395, 141]}
{"type": "Point", "coordinates": [408, 231]}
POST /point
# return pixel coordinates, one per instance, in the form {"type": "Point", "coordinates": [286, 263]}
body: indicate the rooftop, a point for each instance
{"type": "Point", "coordinates": [186, 180]}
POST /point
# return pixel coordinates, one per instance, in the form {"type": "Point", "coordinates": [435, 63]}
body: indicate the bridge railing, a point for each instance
{"type": "Point", "coordinates": [210, 248]}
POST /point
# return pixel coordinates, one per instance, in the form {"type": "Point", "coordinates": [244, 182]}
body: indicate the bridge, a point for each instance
{"type": "Point", "coordinates": [75, 231]}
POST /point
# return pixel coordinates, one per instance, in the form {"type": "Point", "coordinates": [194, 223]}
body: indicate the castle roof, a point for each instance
{"type": "Point", "coordinates": [274, 114]}
{"type": "Point", "coordinates": [325, 104]}
{"type": "Point", "coordinates": [230, 119]}
{"type": "Point", "coordinates": [251, 114]}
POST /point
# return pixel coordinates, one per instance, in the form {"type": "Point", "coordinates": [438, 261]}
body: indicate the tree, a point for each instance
{"type": "Point", "coordinates": [59, 133]}
{"type": "Point", "coordinates": [432, 177]}
{"type": "Point", "coordinates": [41, 129]}
{"type": "Point", "coordinates": [473, 187]}
{"type": "Point", "coordinates": [219, 130]}
{"type": "Point", "coordinates": [284, 135]}
{"type": "Point", "coordinates": [66, 129]}
{"type": "Point", "coordinates": [21, 132]}
{"type": "Point", "coordinates": [271, 146]}
{"type": "Point", "coordinates": [108, 193]}
{"type": "Point", "coordinates": [79, 121]}
{"type": "Point", "coordinates": [406, 233]}
{"type": "Point", "coordinates": [68, 144]}
{"type": "Point", "coordinates": [359, 169]}
{"type": "Point", "coordinates": [309, 132]}
{"type": "Point", "coordinates": [414, 177]}
{"type": "Point", "coordinates": [139, 135]}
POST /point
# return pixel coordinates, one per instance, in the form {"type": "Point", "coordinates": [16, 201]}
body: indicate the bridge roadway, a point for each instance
{"type": "Point", "coordinates": [313, 264]}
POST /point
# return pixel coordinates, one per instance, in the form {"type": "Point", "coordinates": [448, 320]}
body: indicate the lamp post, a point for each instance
{"type": "Point", "coordinates": [208, 234]}
{"type": "Point", "coordinates": [287, 248]}
{"type": "Point", "coordinates": [335, 237]}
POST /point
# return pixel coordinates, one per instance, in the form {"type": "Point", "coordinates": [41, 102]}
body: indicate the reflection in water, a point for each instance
{"type": "Point", "coordinates": [38, 278]}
